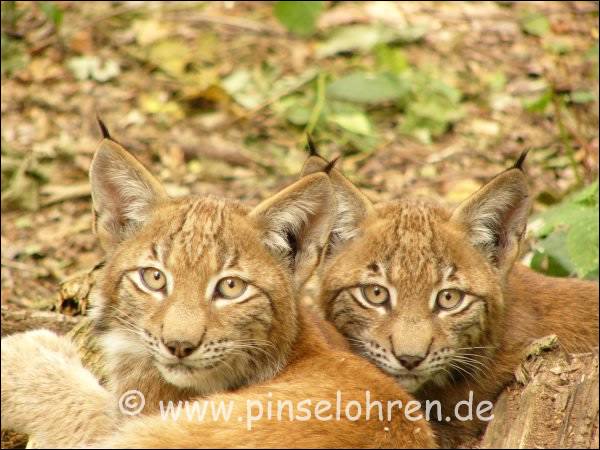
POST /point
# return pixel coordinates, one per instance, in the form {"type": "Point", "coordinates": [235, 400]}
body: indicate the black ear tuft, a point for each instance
{"type": "Point", "coordinates": [330, 165]}
{"type": "Point", "coordinates": [310, 146]}
{"type": "Point", "coordinates": [521, 160]}
{"type": "Point", "coordinates": [103, 129]}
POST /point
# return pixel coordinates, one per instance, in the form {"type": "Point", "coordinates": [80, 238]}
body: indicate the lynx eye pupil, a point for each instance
{"type": "Point", "coordinates": [153, 278]}
{"type": "Point", "coordinates": [375, 294]}
{"type": "Point", "coordinates": [450, 298]}
{"type": "Point", "coordinates": [231, 287]}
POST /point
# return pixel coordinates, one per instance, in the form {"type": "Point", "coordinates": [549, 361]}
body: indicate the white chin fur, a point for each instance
{"type": "Point", "coordinates": [179, 378]}
{"type": "Point", "coordinates": [199, 380]}
{"type": "Point", "coordinates": [410, 384]}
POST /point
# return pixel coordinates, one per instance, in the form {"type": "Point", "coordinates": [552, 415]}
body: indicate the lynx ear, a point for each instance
{"type": "Point", "coordinates": [123, 193]}
{"type": "Point", "coordinates": [352, 206]}
{"type": "Point", "coordinates": [296, 222]}
{"type": "Point", "coordinates": [495, 217]}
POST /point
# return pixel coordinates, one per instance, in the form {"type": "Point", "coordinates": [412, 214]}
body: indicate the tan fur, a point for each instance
{"type": "Point", "coordinates": [314, 372]}
{"type": "Point", "coordinates": [260, 345]}
{"type": "Point", "coordinates": [415, 247]}
{"type": "Point", "coordinates": [48, 394]}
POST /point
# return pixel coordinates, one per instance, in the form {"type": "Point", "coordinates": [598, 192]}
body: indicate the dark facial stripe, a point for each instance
{"type": "Point", "coordinates": [374, 267]}
{"type": "Point", "coordinates": [137, 288]}
{"type": "Point", "coordinates": [358, 302]}
{"type": "Point", "coordinates": [257, 317]}
{"type": "Point", "coordinates": [468, 307]}
{"type": "Point", "coordinates": [354, 321]}
{"type": "Point", "coordinates": [339, 312]}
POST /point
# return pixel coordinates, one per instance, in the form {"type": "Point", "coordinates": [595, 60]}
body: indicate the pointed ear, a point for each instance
{"type": "Point", "coordinates": [123, 193]}
{"type": "Point", "coordinates": [495, 217]}
{"type": "Point", "coordinates": [295, 223]}
{"type": "Point", "coordinates": [352, 206]}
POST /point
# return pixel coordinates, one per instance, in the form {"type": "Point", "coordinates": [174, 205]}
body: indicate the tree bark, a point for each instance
{"type": "Point", "coordinates": [553, 403]}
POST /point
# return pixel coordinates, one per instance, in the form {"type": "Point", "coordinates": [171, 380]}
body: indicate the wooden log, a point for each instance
{"type": "Point", "coordinates": [553, 402]}
{"type": "Point", "coordinates": [17, 320]}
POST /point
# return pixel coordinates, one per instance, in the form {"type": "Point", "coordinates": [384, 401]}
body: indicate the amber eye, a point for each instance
{"type": "Point", "coordinates": [375, 294]}
{"type": "Point", "coordinates": [231, 287]}
{"type": "Point", "coordinates": [153, 278]}
{"type": "Point", "coordinates": [449, 298]}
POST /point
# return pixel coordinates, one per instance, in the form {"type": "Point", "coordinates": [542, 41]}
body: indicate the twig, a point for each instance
{"type": "Point", "coordinates": [564, 137]}
{"type": "Point", "coordinates": [232, 22]}
{"type": "Point", "coordinates": [117, 12]}
{"type": "Point", "coordinates": [41, 272]}
{"type": "Point", "coordinates": [319, 104]}
{"type": "Point", "coordinates": [61, 193]}
{"type": "Point", "coordinates": [18, 320]}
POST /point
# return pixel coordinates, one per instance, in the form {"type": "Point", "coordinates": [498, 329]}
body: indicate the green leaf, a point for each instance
{"type": "Point", "coordinates": [588, 195]}
{"type": "Point", "coordinates": [52, 12]}
{"type": "Point", "coordinates": [557, 45]}
{"type": "Point", "coordinates": [582, 96]}
{"type": "Point", "coordinates": [242, 88]}
{"type": "Point", "coordinates": [539, 104]}
{"type": "Point", "coordinates": [548, 264]}
{"type": "Point", "coordinates": [391, 59]}
{"type": "Point", "coordinates": [171, 56]}
{"type": "Point", "coordinates": [566, 213]}
{"type": "Point", "coordinates": [252, 88]}
{"type": "Point", "coordinates": [362, 38]}
{"type": "Point", "coordinates": [592, 53]}
{"type": "Point", "coordinates": [435, 107]}
{"type": "Point", "coordinates": [14, 54]}
{"type": "Point", "coordinates": [298, 17]}
{"type": "Point", "coordinates": [11, 13]}
{"type": "Point", "coordinates": [496, 81]}
{"type": "Point", "coordinates": [535, 24]}
{"type": "Point", "coordinates": [350, 118]}
{"type": "Point", "coordinates": [563, 214]}
{"type": "Point", "coordinates": [298, 115]}
{"type": "Point", "coordinates": [556, 260]}
{"type": "Point", "coordinates": [568, 235]}
{"type": "Point", "coordinates": [360, 87]}
{"type": "Point", "coordinates": [582, 243]}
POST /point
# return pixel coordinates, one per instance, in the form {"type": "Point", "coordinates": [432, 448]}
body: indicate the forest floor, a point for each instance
{"type": "Point", "coordinates": [211, 96]}
{"type": "Point", "coordinates": [217, 98]}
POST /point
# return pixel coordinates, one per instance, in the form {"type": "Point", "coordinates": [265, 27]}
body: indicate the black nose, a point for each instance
{"type": "Point", "coordinates": [410, 361]}
{"type": "Point", "coordinates": [181, 349]}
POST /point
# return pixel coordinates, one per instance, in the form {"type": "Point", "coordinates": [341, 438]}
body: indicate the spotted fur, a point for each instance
{"type": "Point", "coordinates": [259, 347]}
{"type": "Point", "coordinates": [415, 248]}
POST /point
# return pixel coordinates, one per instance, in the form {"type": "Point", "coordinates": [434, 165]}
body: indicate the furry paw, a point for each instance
{"type": "Point", "coordinates": [31, 363]}
{"type": "Point", "coordinates": [48, 394]}
{"type": "Point", "coordinates": [36, 341]}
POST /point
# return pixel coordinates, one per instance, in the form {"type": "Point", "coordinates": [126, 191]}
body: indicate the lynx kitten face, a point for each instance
{"type": "Point", "coordinates": [413, 286]}
{"type": "Point", "coordinates": [200, 292]}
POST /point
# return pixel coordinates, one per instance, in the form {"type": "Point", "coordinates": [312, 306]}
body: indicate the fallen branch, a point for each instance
{"type": "Point", "coordinates": [552, 404]}
{"type": "Point", "coordinates": [16, 321]}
